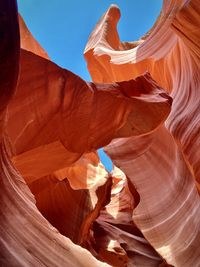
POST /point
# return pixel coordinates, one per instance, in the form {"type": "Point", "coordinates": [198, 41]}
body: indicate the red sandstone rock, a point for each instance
{"type": "Point", "coordinates": [163, 165]}
{"type": "Point", "coordinates": [72, 198]}
{"type": "Point", "coordinates": [28, 42]}
{"type": "Point", "coordinates": [118, 240]}
{"type": "Point", "coordinates": [55, 121]}
{"type": "Point", "coordinates": [26, 237]}
{"type": "Point", "coordinates": [46, 138]}
{"type": "Point", "coordinates": [43, 136]}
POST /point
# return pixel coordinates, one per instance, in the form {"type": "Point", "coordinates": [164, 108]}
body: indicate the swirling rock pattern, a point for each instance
{"type": "Point", "coordinates": [26, 237]}
{"type": "Point", "coordinates": [118, 239]}
{"type": "Point", "coordinates": [59, 205]}
{"type": "Point", "coordinates": [164, 165]}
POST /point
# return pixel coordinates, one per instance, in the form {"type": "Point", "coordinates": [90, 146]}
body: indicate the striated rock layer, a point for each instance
{"type": "Point", "coordinates": [59, 205]}
{"type": "Point", "coordinates": [26, 237]}
{"type": "Point", "coordinates": [40, 133]}
{"type": "Point", "coordinates": [162, 166]}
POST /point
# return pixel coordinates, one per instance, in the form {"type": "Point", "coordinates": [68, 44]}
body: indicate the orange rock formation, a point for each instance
{"type": "Point", "coordinates": [59, 205]}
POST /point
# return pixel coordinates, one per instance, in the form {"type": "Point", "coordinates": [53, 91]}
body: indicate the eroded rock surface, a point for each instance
{"type": "Point", "coordinates": [59, 205]}
{"type": "Point", "coordinates": [163, 165]}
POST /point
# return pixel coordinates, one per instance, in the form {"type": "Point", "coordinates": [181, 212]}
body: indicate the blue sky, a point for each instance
{"type": "Point", "coordinates": [62, 27]}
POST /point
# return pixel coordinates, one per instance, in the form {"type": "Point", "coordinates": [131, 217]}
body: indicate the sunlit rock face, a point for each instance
{"type": "Point", "coordinates": [59, 205]}
{"type": "Point", "coordinates": [163, 166]}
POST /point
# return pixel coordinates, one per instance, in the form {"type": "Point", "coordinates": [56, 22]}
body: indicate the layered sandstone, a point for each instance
{"type": "Point", "coordinates": [59, 205]}
{"type": "Point", "coordinates": [163, 165]}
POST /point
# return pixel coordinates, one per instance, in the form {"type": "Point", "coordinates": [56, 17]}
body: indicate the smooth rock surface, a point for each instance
{"type": "Point", "coordinates": [59, 206]}
{"type": "Point", "coordinates": [162, 166]}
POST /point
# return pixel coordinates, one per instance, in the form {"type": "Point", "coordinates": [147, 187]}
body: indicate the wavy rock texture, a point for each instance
{"type": "Point", "coordinates": [118, 240]}
{"type": "Point", "coordinates": [50, 129]}
{"type": "Point", "coordinates": [162, 166]}
{"type": "Point", "coordinates": [71, 198]}
{"type": "Point", "coordinates": [146, 212]}
{"type": "Point", "coordinates": [26, 238]}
